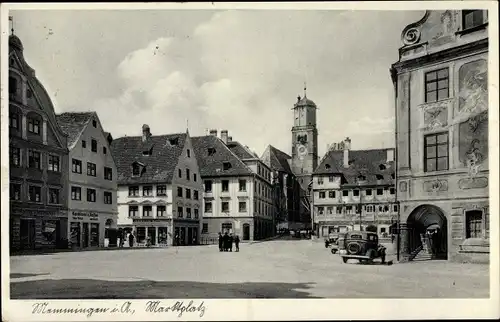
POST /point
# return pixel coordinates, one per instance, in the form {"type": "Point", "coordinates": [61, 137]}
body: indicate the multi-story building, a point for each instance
{"type": "Point", "coordinates": [286, 188]}
{"type": "Point", "coordinates": [441, 86]}
{"type": "Point", "coordinates": [160, 191]}
{"type": "Point", "coordinates": [38, 155]}
{"type": "Point", "coordinates": [92, 205]}
{"type": "Point", "coordinates": [353, 189]}
{"type": "Point", "coordinates": [237, 194]}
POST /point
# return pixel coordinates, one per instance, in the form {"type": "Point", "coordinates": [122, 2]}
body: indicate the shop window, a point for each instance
{"type": "Point", "coordinates": [108, 198]}
{"type": "Point", "coordinates": [163, 235]}
{"type": "Point", "coordinates": [49, 231]}
{"type": "Point", "coordinates": [54, 162]}
{"type": "Point", "coordinates": [242, 206]}
{"type": "Point", "coordinates": [436, 85]}
{"type": "Point", "coordinates": [436, 152]}
{"type": "Point", "coordinates": [76, 193]}
{"type": "Point", "coordinates": [225, 185]}
{"type": "Point", "coordinates": [108, 173]}
{"type": "Point", "coordinates": [35, 193]}
{"type": "Point", "coordinates": [53, 196]}
{"type": "Point", "coordinates": [208, 207]}
{"type": "Point", "coordinates": [474, 223]}
{"type": "Point", "coordinates": [76, 166]}
{"type": "Point", "coordinates": [133, 211]}
{"type": "Point", "coordinates": [91, 195]}
{"type": "Point", "coordinates": [147, 191]}
{"type": "Point", "coordinates": [161, 190]}
{"type": "Point", "coordinates": [204, 230]}
{"type": "Point", "coordinates": [34, 159]}
{"type": "Point", "coordinates": [208, 186]}
{"type": "Point", "coordinates": [147, 211]}
{"type": "Point", "coordinates": [472, 18]}
{"type": "Point", "coordinates": [15, 156]}
{"type": "Point", "coordinates": [141, 234]}
{"type": "Point", "coordinates": [94, 235]}
{"type": "Point", "coordinates": [91, 169]}
{"type": "Point", "coordinates": [15, 191]}
{"type": "Point", "coordinates": [93, 145]}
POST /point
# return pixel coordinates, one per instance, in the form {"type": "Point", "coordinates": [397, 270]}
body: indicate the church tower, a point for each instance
{"type": "Point", "coordinates": [304, 140]}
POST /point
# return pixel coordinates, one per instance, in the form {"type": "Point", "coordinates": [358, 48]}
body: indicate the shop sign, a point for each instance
{"type": "Point", "coordinates": [82, 215]}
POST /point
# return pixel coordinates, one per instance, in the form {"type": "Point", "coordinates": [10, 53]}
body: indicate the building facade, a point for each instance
{"type": "Point", "coordinates": [237, 189]}
{"type": "Point", "coordinates": [92, 202]}
{"type": "Point", "coordinates": [160, 191]}
{"type": "Point", "coordinates": [441, 86]}
{"type": "Point", "coordinates": [38, 156]}
{"type": "Point", "coordinates": [353, 189]}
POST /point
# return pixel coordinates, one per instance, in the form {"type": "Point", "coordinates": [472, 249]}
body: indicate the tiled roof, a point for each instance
{"type": "Point", "coordinates": [159, 166]}
{"type": "Point", "coordinates": [241, 151]}
{"type": "Point", "coordinates": [277, 159]}
{"type": "Point", "coordinates": [212, 165]}
{"type": "Point", "coordinates": [73, 124]}
{"type": "Point", "coordinates": [362, 162]}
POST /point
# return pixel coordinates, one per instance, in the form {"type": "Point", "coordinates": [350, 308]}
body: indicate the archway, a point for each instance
{"type": "Point", "coordinates": [246, 232]}
{"type": "Point", "coordinates": [427, 227]}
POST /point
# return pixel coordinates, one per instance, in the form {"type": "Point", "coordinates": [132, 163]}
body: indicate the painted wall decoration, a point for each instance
{"type": "Point", "coordinates": [435, 185]}
{"type": "Point", "coordinates": [435, 117]}
{"type": "Point", "coordinates": [473, 183]}
{"type": "Point", "coordinates": [473, 87]}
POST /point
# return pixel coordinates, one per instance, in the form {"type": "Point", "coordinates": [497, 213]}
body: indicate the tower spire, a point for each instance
{"type": "Point", "coordinates": [305, 89]}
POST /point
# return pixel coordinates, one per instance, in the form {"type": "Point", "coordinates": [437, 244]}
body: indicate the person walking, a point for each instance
{"type": "Point", "coordinates": [231, 242]}
{"type": "Point", "coordinates": [131, 240]}
{"type": "Point", "coordinates": [225, 242]}
{"type": "Point", "coordinates": [237, 243]}
{"type": "Point", "coordinates": [221, 240]}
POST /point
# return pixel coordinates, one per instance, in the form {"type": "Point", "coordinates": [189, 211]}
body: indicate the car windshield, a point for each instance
{"type": "Point", "coordinates": [372, 237]}
{"type": "Point", "coordinates": [356, 237]}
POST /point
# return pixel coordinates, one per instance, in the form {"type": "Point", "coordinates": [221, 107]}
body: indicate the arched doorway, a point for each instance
{"type": "Point", "coordinates": [427, 229]}
{"type": "Point", "coordinates": [246, 232]}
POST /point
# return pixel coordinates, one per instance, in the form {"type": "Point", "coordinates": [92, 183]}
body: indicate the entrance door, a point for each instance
{"type": "Point", "coordinates": [190, 236]}
{"type": "Point", "coordinates": [85, 235]}
{"type": "Point", "coordinates": [27, 234]}
{"type": "Point", "coordinates": [246, 232]}
{"type": "Point", "coordinates": [152, 235]}
{"type": "Point", "coordinates": [183, 236]}
{"type": "Point", "coordinates": [195, 236]}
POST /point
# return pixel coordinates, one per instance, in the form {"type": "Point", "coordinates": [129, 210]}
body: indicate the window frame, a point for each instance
{"type": "Point", "coordinates": [147, 191]}
{"type": "Point", "coordinates": [225, 209]}
{"type": "Point", "coordinates": [31, 154]}
{"type": "Point", "coordinates": [161, 211]}
{"type": "Point", "coordinates": [436, 81]}
{"type": "Point", "coordinates": [161, 190]}
{"type": "Point", "coordinates": [93, 145]}
{"type": "Point", "coordinates": [11, 156]}
{"type": "Point", "coordinates": [240, 209]}
{"type": "Point", "coordinates": [51, 163]}
{"type": "Point", "coordinates": [208, 209]}
{"type": "Point", "coordinates": [14, 120]}
{"type": "Point", "coordinates": [91, 195]}
{"type": "Point", "coordinates": [436, 145]}
{"type": "Point", "coordinates": [91, 169]}
{"type": "Point", "coordinates": [133, 211]}
{"type": "Point", "coordinates": [133, 191]}
{"type": "Point", "coordinates": [242, 185]}
{"type": "Point", "coordinates": [478, 222]}
{"type": "Point", "coordinates": [225, 183]}
{"type": "Point", "coordinates": [108, 196]}
{"type": "Point", "coordinates": [76, 191]}
{"type": "Point", "coordinates": [78, 164]}
{"type": "Point", "coordinates": [208, 186]}
{"type": "Point", "coordinates": [13, 188]}
{"type": "Point", "coordinates": [108, 173]}
{"type": "Point", "coordinates": [58, 194]}
{"type": "Point", "coordinates": [32, 124]}
{"type": "Point", "coordinates": [473, 26]}
{"type": "Point", "coordinates": [39, 194]}
{"type": "Point", "coordinates": [147, 211]}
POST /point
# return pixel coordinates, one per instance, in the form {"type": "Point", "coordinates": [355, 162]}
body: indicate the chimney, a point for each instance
{"type": "Point", "coordinates": [146, 133]}
{"type": "Point", "coordinates": [230, 139]}
{"type": "Point", "coordinates": [347, 147]}
{"type": "Point", "coordinates": [223, 136]}
{"type": "Point", "coordinates": [390, 155]}
{"type": "Point", "coordinates": [213, 132]}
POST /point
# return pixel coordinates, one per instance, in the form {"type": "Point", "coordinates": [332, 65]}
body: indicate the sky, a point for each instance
{"type": "Point", "coordinates": [239, 70]}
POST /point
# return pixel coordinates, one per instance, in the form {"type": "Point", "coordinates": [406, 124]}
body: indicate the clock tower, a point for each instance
{"type": "Point", "coordinates": [304, 140]}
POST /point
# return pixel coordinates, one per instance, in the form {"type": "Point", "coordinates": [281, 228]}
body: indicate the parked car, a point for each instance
{"type": "Point", "coordinates": [361, 245]}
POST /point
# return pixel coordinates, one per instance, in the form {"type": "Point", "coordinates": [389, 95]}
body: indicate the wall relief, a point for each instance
{"type": "Point", "coordinates": [473, 183]}
{"type": "Point", "coordinates": [435, 117]}
{"type": "Point", "coordinates": [473, 87]}
{"type": "Point", "coordinates": [473, 142]}
{"type": "Point", "coordinates": [403, 186]}
{"type": "Point", "coordinates": [435, 185]}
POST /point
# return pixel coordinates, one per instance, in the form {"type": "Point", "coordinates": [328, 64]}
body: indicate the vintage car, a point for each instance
{"type": "Point", "coordinates": [361, 245]}
{"type": "Point", "coordinates": [332, 242]}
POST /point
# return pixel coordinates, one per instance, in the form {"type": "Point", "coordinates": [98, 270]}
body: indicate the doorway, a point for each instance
{"type": "Point", "coordinates": [85, 235]}
{"type": "Point", "coordinates": [246, 232]}
{"type": "Point", "coordinates": [27, 234]}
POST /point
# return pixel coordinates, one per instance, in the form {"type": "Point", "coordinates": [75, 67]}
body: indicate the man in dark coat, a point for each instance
{"type": "Point", "coordinates": [237, 243]}
{"type": "Point", "coordinates": [131, 239]}
{"type": "Point", "coordinates": [231, 242]}
{"type": "Point", "coordinates": [225, 241]}
{"type": "Point", "coordinates": [220, 243]}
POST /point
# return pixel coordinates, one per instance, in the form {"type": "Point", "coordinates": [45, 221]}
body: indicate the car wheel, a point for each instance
{"type": "Point", "coordinates": [344, 259]}
{"type": "Point", "coordinates": [334, 251]}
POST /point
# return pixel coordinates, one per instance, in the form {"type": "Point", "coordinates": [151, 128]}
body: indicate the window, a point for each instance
{"type": "Point", "coordinates": [180, 212]}
{"type": "Point", "coordinates": [108, 173]}
{"type": "Point", "coordinates": [339, 210]}
{"type": "Point", "coordinates": [227, 227]}
{"type": "Point", "coordinates": [188, 174]}
{"type": "Point", "coordinates": [179, 192]}
{"type": "Point", "coordinates": [348, 209]}
{"type": "Point", "coordinates": [211, 151]}
{"type": "Point", "coordinates": [380, 192]}
{"type": "Point", "coordinates": [161, 211]}
{"type": "Point", "coordinates": [136, 170]}
{"type": "Point", "coordinates": [133, 191]}
{"type": "Point", "coordinates": [94, 123]}
{"type": "Point", "coordinates": [369, 208]}
{"type": "Point", "coordinates": [188, 152]}
{"type": "Point", "coordinates": [133, 211]}
{"type": "Point", "coordinates": [195, 194]}
{"type": "Point", "coordinates": [472, 18]}
{"type": "Point", "coordinates": [91, 169]}
{"type": "Point", "coordinates": [34, 159]}
{"type": "Point", "coordinates": [392, 191]}
{"type": "Point", "coordinates": [104, 150]}
{"type": "Point", "coordinates": [12, 85]}
{"type": "Point", "coordinates": [320, 180]}
{"type": "Point", "coordinates": [15, 156]}
{"type": "Point", "coordinates": [380, 208]}
{"type": "Point", "coordinates": [330, 210]}
{"type": "Point", "coordinates": [108, 198]}
{"type": "Point", "coordinates": [147, 191]}
{"type": "Point", "coordinates": [204, 230]}
{"type": "Point", "coordinates": [225, 206]}
{"type": "Point", "coordinates": [331, 178]}
{"type": "Point", "coordinates": [194, 177]}
{"type": "Point", "coordinates": [208, 206]}
{"type": "Point", "coordinates": [345, 193]}
{"type": "Point", "coordinates": [474, 224]}
{"type": "Point", "coordinates": [54, 163]}
{"type": "Point", "coordinates": [84, 144]}
{"type": "Point", "coordinates": [356, 193]}
{"type": "Point", "coordinates": [436, 85]}
{"type": "Point", "coordinates": [368, 192]}
{"type": "Point", "coordinates": [242, 206]}
{"type": "Point", "coordinates": [196, 214]}
{"type": "Point", "coordinates": [188, 193]}
{"type": "Point", "coordinates": [14, 120]}
{"type": "Point", "coordinates": [161, 190]}
{"type": "Point", "coordinates": [386, 208]}
{"type": "Point", "coordinates": [208, 185]}
{"type": "Point", "coordinates": [331, 194]}
{"type": "Point", "coordinates": [321, 195]}
{"type": "Point", "coordinates": [147, 211]}
{"type": "Point", "coordinates": [225, 185]}
{"type": "Point", "coordinates": [76, 193]}
{"type": "Point", "coordinates": [188, 213]}
{"type": "Point", "coordinates": [35, 193]}
{"type": "Point", "coordinates": [76, 166]}
{"type": "Point", "coordinates": [395, 208]}
{"type": "Point", "coordinates": [33, 126]}
{"type": "Point", "coordinates": [53, 196]}
{"type": "Point", "coordinates": [321, 210]}
{"type": "Point", "coordinates": [226, 165]}
{"type": "Point", "coordinates": [15, 191]}
{"type": "Point", "coordinates": [243, 185]}
{"type": "Point", "coordinates": [93, 145]}
{"type": "Point", "coordinates": [436, 152]}
{"type": "Point", "coordinates": [179, 173]}
{"type": "Point", "coordinates": [91, 195]}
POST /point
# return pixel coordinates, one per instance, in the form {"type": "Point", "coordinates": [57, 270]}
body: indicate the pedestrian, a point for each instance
{"type": "Point", "coordinates": [220, 242]}
{"type": "Point", "coordinates": [237, 243]}
{"type": "Point", "coordinates": [177, 240]}
{"type": "Point", "coordinates": [131, 239]}
{"type": "Point", "coordinates": [231, 242]}
{"type": "Point", "coordinates": [225, 242]}
{"type": "Point", "coordinates": [122, 239]}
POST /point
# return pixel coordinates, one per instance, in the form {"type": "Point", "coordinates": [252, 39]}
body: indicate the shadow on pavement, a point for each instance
{"type": "Point", "coordinates": [21, 275]}
{"type": "Point", "coordinates": [97, 289]}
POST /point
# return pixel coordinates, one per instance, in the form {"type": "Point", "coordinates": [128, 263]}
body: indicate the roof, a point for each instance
{"type": "Point", "coordinates": [73, 124]}
{"type": "Point", "coordinates": [159, 167]}
{"type": "Point", "coordinates": [276, 159]}
{"type": "Point", "coordinates": [305, 102]}
{"type": "Point", "coordinates": [362, 162]}
{"type": "Point", "coordinates": [241, 151]}
{"type": "Point", "coordinates": [212, 165]}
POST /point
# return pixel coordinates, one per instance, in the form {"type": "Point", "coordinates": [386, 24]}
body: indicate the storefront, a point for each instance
{"type": "Point", "coordinates": [88, 229]}
{"type": "Point", "coordinates": [186, 232]}
{"type": "Point", "coordinates": [159, 231]}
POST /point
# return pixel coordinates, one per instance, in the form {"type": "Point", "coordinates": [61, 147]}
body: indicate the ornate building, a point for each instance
{"type": "Point", "coordinates": [38, 156]}
{"type": "Point", "coordinates": [441, 86]}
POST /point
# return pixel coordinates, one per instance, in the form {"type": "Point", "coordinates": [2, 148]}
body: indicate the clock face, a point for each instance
{"type": "Point", "coordinates": [301, 150]}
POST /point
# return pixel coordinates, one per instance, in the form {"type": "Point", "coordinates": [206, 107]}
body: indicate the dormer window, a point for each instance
{"type": "Point", "coordinates": [472, 18]}
{"type": "Point", "coordinates": [380, 177]}
{"type": "Point", "coordinates": [327, 166]}
{"type": "Point", "coordinates": [173, 141]}
{"type": "Point", "coordinates": [211, 151]}
{"type": "Point", "coordinates": [226, 165]}
{"type": "Point", "coordinates": [361, 178]}
{"type": "Point", "coordinates": [393, 176]}
{"type": "Point", "coordinates": [94, 123]}
{"type": "Point", "coordinates": [136, 169]}
{"type": "Point", "coordinates": [382, 167]}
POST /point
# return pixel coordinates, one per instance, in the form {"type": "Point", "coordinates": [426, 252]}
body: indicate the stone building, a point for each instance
{"type": "Point", "coordinates": [159, 188]}
{"type": "Point", "coordinates": [238, 192]}
{"type": "Point", "coordinates": [92, 202]}
{"type": "Point", "coordinates": [38, 154]}
{"type": "Point", "coordinates": [353, 189]}
{"type": "Point", "coordinates": [441, 86]}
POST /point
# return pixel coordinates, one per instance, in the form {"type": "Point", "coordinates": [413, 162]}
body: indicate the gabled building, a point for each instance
{"type": "Point", "coordinates": [38, 153]}
{"type": "Point", "coordinates": [160, 190]}
{"type": "Point", "coordinates": [92, 205]}
{"type": "Point", "coordinates": [353, 189]}
{"type": "Point", "coordinates": [441, 106]}
{"type": "Point", "coordinates": [237, 186]}
{"type": "Point", "coordinates": [286, 188]}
